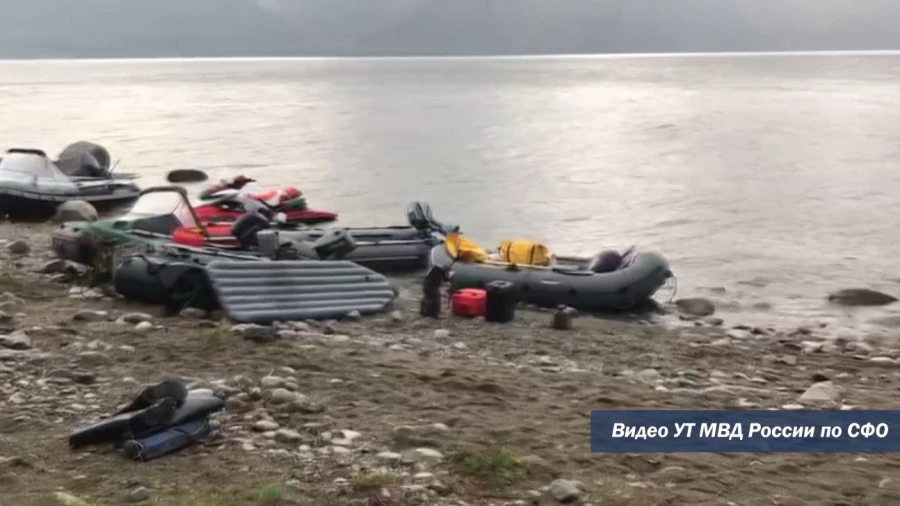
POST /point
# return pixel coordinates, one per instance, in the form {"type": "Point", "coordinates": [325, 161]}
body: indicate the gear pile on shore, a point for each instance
{"type": "Point", "coordinates": [397, 409]}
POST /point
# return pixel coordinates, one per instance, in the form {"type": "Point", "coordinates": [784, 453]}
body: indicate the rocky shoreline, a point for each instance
{"type": "Point", "coordinates": [397, 410]}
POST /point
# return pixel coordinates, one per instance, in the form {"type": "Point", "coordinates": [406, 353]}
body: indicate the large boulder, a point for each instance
{"type": "Point", "coordinates": [861, 297]}
{"type": "Point", "coordinates": [75, 210]}
{"type": "Point", "coordinates": [697, 307]}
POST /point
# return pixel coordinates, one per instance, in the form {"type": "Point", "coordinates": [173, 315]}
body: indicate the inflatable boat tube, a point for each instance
{"type": "Point", "coordinates": [385, 250]}
{"type": "Point", "coordinates": [570, 282]}
{"type": "Point", "coordinates": [168, 441]}
{"type": "Point", "coordinates": [175, 283]}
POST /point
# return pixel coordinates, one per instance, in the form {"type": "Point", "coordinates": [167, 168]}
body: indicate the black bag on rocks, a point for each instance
{"type": "Point", "coordinates": [153, 407]}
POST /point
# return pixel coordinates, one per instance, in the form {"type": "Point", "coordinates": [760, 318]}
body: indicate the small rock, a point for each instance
{"type": "Point", "coordinates": [299, 326]}
{"type": "Point", "coordinates": [820, 392]}
{"type": "Point", "coordinates": [272, 382]}
{"type": "Point", "coordinates": [144, 327]}
{"type": "Point", "coordinates": [82, 377]}
{"type": "Point", "coordinates": [389, 457]}
{"type": "Point", "coordinates": [18, 340]}
{"type": "Point", "coordinates": [396, 316]}
{"type": "Point", "coordinates": [192, 312]}
{"type": "Point", "coordinates": [79, 292]}
{"type": "Point", "coordinates": [811, 346]}
{"type": "Point", "coordinates": [94, 358]}
{"type": "Point", "coordinates": [340, 450]}
{"type": "Point", "coordinates": [53, 267]}
{"type": "Point", "coordinates": [648, 376]}
{"type": "Point", "coordinates": [696, 306]}
{"type": "Point", "coordinates": [287, 436]}
{"type": "Point", "coordinates": [350, 435]}
{"type": "Point", "coordinates": [234, 403]}
{"type": "Point", "coordinates": [139, 494]}
{"type": "Point", "coordinates": [353, 315]}
{"type": "Point", "coordinates": [861, 297]}
{"type": "Point", "coordinates": [265, 426]}
{"type": "Point", "coordinates": [256, 333]}
{"type": "Point", "coordinates": [738, 334]}
{"type": "Point", "coordinates": [282, 396]}
{"type": "Point", "coordinates": [19, 248]}
{"type": "Point", "coordinates": [564, 491]}
{"type": "Point", "coordinates": [787, 360]}
{"type": "Point", "coordinates": [135, 318]}
{"type": "Point", "coordinates": [75, 210]}
{"type": "Point", "coordinates": [66, 499]}
{"type": "Point", "coordinates": [427, 454]}
{"type": "Point", "coordinates": [441, 333]}
{"type": "Point", "coordinates": [714, 321]}
{"type": "Point", "coordinates": [90, 315]}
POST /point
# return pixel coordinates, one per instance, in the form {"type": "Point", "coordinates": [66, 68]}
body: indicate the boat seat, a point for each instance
{"type": "Point", "coordinates": [572, 271]}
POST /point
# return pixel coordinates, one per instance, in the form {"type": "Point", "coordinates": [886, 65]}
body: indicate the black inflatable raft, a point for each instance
{"type": "Point", "coordinates": [254, 289]}
{"type": "Point", "coordinates": [570, 281]}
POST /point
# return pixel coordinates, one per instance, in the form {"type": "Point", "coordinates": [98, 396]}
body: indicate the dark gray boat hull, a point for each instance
{"type": "Point", "coordinates": [570, 284]}
{"type": "Point", "coordinates": [382, 249]}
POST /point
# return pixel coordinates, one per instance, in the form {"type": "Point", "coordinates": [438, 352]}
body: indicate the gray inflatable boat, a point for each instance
{"type": "Point", "coordinates": [571, 281]}
{"type": "Point", "coordinates": [382, 249]}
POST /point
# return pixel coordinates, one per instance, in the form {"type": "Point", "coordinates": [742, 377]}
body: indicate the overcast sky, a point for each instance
{"type": "Point", "coordinates": [118, 28]}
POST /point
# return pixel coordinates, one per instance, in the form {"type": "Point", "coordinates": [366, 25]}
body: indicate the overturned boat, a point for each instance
{"type": "Point", "coordinates": [164, 215]}
{"type": "Point", "coordinates": [32, 185]}
{"type": "Point", "coordinates": [539, 278]}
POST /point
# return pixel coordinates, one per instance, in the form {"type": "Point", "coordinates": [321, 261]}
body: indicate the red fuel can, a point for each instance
{"type": "Point", "coordinates": [468, 302]}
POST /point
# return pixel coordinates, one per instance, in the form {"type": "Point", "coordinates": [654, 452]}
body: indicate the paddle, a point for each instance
{"type": "Point", "coordinates": [186, 176]}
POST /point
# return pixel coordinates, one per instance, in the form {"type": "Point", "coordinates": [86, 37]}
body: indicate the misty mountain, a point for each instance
{"type": "Point", "coordinates": [117, 28]}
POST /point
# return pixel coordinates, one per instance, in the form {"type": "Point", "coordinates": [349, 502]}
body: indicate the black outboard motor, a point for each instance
{"type": "Point", "coordinates": [83, 158]}
{"type": "Point", "coordinates": [333, 245]}
{"type": "Point", "coordinates": [606, 261]}
{"type": "Point", "coordinates": [247, 226]}
{"type": "Point", "coordinates": [420, 217]}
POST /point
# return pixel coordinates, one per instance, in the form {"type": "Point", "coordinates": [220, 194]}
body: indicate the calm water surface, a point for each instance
{"type": "Point", "coordinates": [775, 177]}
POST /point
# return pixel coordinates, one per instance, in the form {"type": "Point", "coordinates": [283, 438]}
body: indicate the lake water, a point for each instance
{"type": "Point", "coordinates": [773, 176]}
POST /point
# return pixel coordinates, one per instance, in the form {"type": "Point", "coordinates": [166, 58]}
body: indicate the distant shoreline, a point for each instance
{"type": "Point", "coordinates": [711, 54]}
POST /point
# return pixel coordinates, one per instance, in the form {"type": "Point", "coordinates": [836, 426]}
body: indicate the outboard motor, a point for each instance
{"type": "Point", "coordinates": [421, 218]}
{"type": "Point", "coordinates": [605, 261]}
{"type": "Point", "coordinates": [246, 228]}
{"type": "Point", "coordinates": [84, 158]}
{"type": "Point", "coordinates": [334, 244]}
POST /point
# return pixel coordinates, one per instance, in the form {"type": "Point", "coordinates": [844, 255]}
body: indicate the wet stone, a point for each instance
{"type": "Point", "coordinates": [90, 315]}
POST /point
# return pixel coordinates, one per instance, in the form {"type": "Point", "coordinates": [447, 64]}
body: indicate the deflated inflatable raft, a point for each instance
{"type": "Point", "coordinates": [262, 292]}
{"type": "Point", "coordinates": [570, 282]}
{"type": "Point", "coordinates": [252, 290]}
